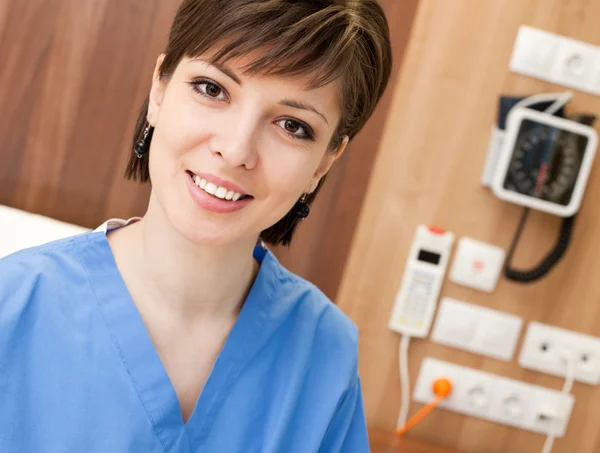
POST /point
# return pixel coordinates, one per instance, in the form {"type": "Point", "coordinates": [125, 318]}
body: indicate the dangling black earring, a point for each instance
{"type": "Point", "coordinates": [302, 209]}
{"type": "Point", "coordinates": [143, 144]}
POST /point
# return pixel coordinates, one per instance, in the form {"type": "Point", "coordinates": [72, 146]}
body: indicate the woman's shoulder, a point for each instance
{"type": "Point", "coordinates": [53, 248]}
{"type": "Point", "coordinates": [311, 307]}
{"type": "Point", "coordinates": [42, 262]}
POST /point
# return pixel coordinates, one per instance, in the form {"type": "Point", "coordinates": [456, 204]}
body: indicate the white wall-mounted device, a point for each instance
{"type": "Point", "coordinates": [477, 329]}
{"type": "Point", "coordinates": [556, 59]}
{"type": "Point", "coordinates": [423, 277]}
{"type": "Point", "coordinates": [545, 162]}
{"type": "Point", "coordinates": [497, 398]}
{"type": "Point", "coordinates": [477, 265]}
{"type": "Point", "coordinates": [545, 347]}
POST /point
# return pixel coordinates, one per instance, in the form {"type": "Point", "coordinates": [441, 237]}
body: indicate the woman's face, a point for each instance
{"type": "Point", "coordinates": [231, 155]}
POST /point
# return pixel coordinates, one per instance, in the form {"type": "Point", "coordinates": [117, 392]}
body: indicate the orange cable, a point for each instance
{"type": "Point", "coordinates": [442, 389]}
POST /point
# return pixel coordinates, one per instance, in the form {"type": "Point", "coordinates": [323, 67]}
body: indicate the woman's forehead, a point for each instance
{"type": "Point", "coordinates": [243, 64]}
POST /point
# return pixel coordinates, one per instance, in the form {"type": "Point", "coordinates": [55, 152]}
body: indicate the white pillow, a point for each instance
{"type": "Point", "coordinates": [20, 230]}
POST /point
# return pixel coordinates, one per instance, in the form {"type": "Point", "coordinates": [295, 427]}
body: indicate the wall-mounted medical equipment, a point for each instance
{"type": "Point", "coordinates": [423, 277]}
{"type": "Point", "coordinates": [545, 162]}
{"type": "Point", "coordinates": [541, 159]}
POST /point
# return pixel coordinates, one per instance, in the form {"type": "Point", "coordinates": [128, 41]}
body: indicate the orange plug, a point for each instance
{"type": "Point", "coordinates": [442, 388]}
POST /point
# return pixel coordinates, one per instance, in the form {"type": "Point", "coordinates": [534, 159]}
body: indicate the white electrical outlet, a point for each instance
{"type": "Point", "coordinates": [556, 59]}
{"type": "Point", "coordinates": [595, 79]}
{"type": "Point", "coordinates": [545, 347]}
{"type": "Point", "coordinates": [496, 398]}
{"type": "Point", "coordinates": [574, 63]}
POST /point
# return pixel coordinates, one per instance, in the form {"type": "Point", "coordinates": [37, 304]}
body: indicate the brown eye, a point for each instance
{"type": "Point", "coordinates": [296, 129]}
{"type": "Point", "coordinates": [209, 89]}
{"type": "Point", "coordinates": [292, 126]}
{"type": "Point", "coordinates": [212, 90]}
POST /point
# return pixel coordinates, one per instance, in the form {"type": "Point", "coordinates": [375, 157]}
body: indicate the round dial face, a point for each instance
{"type": "Point", "coordinates": [545, 163]}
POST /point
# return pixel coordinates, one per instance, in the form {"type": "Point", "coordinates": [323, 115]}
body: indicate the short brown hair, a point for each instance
{"type": "Point", "coordinates": [327, 40]}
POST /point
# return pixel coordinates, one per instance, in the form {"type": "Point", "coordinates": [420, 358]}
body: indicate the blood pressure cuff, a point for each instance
{"type": "Point", "coordinates": [508, 102]}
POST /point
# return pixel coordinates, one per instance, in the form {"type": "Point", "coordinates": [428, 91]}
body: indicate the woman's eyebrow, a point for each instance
{"type": "Point", "coordinates": [228, 72]}
{"type": "Point", "coordinates": [303, 106]}
{"type": "Point", "coordinates": [221, 67]}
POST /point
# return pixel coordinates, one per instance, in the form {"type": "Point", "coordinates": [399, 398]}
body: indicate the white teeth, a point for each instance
{"type": "Point", "coordinates": [211, 188]}
{"type": "Point", "coordinates": [217, 191]}
{"type": "Point", "coordinates": [221, 192]}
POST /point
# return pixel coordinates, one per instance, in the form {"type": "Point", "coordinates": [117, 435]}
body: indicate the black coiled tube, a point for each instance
{"type": "Point", "coordinates": [562, 243]}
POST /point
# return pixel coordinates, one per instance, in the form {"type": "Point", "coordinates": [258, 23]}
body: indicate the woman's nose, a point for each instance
{"type": "Point", "coordinates": [237, 157]}
{"type": "Point", "coordinates": [237, 149]}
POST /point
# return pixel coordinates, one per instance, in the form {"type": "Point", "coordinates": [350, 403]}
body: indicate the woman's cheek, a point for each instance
{"type": "Point", "coordinates": [288, 174]}
{"type": "Point", "coordinates": [186, 134]}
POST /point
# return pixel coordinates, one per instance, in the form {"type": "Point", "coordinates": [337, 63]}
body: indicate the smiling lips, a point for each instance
{"type": "Point", "coordinates": [221, 192]}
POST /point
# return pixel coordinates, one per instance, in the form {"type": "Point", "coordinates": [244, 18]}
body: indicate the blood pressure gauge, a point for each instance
{"type": "Point", "coordinates": [545, 162]}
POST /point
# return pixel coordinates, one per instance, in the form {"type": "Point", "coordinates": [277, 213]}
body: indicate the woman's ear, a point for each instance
{"type": "Point", "coordinates": [156, 93]}
{"type": "Point", "coordinates": [326, 163]}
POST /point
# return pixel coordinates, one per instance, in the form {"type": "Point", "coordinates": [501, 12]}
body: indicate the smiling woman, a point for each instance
{"type": "Point", "coordinates": [179, 331]}
{"type": "Point", "coordinates": [263, 139]}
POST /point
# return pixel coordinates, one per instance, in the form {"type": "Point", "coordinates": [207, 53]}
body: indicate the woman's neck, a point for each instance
{"type": "Point", "coordinates": [179, 278]}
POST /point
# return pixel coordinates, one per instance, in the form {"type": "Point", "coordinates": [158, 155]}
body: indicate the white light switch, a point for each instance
{"type": "Point", "coordinates": [497, 334]}
{"type": "Point", "coordinates": [477, 329]}
{"type": "Point", "coordinates": [455, 324]}
{"type": "Point", "coordinates": [477, 265]}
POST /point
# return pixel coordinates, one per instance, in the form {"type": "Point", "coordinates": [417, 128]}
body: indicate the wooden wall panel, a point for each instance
{"type": "Point", "coordinates": [73, 77]}
{"type": "Point", "coordinates": [428, 171]}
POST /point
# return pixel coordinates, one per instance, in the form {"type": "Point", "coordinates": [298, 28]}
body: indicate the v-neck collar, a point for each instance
{"type": "Point", "coordinates": [259, 318]}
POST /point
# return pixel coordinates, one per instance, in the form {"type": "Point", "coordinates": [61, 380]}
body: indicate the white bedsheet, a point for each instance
{"type": "Point", "coordinates": [20, 229]}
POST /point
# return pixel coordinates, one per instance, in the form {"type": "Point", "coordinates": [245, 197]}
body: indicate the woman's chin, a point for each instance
{"type": "Point", "coordinates": [208, 233]}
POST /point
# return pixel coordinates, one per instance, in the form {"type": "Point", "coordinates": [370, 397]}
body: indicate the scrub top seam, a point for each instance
{"type": "Point", "coordinates": [352, 378]}
{"type": "Point", "coordinates": [234, 379]}
{"type": "Point", "coordinates": [226, 392]}
{"type": "Point", "coordinates": [116, 346]}
{"type": "Point", "coordinates": [42, 250]}
{"type": "Point", "coordinates": [225, 395]}
{"type": "Point", "coordinates": [343, 398]}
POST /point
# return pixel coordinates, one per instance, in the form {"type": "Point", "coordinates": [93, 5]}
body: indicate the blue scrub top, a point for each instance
{"type": "Point", "coordinates": [79, 373]}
